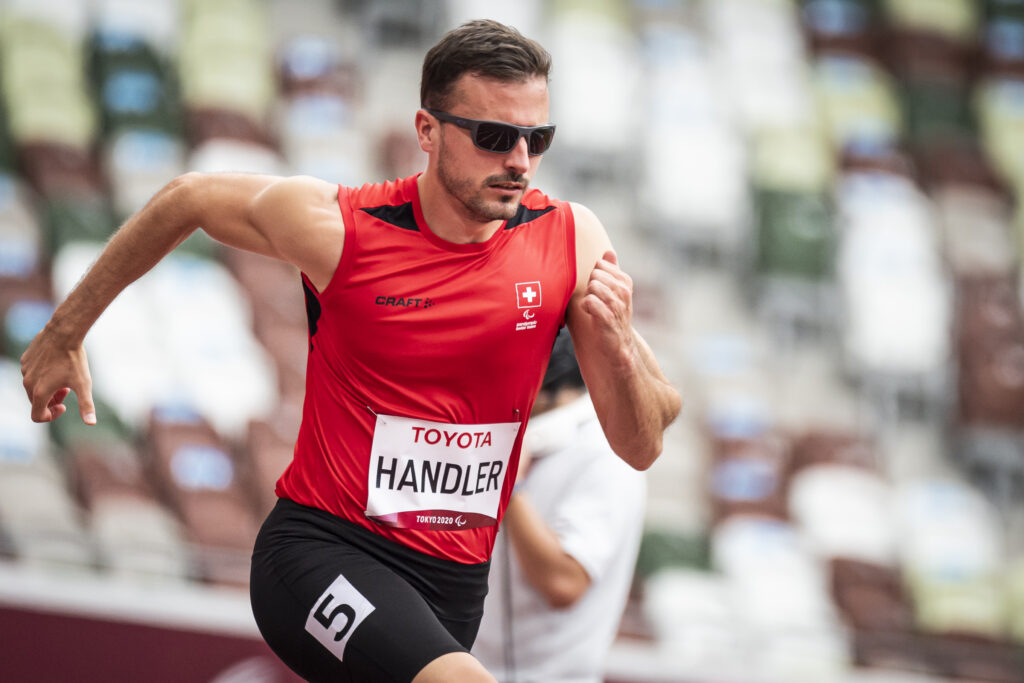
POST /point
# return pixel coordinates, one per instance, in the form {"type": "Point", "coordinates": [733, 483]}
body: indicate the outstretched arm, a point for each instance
{"type": "Point", "coordinates": [293, 219]}
{"type": "Point", "coordinates": [634, 401]}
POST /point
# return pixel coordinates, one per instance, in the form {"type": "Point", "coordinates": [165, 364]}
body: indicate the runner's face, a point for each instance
{"type": "Point", "coordinates": [490, 186]}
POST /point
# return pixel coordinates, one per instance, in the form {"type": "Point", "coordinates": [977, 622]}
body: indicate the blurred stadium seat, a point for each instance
{"type": "Point", "coordinates": [818, 200]}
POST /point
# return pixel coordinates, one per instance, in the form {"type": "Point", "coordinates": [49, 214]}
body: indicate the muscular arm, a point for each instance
{"type": "Point", "coordinates": [293, 219]}
{"type": "Point", "coordinates": [554, 573]}
{"type": "Point", "coordinates": [634, 401]}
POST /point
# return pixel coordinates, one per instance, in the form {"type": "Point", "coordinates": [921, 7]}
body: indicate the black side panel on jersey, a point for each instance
{"type": "Point", "coordinates": [524, 215]}
{"type": "Point", "coordinates": [400, 215]}
{"type": "Point", "coordinates": [313, 311]}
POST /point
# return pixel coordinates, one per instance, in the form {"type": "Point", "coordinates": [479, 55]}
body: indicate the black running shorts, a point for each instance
{"type": "Point", "coordinates": [337, 602]}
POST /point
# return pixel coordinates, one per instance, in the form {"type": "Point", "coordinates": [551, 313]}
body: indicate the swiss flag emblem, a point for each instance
{"type": "Point", "coordinates": [528, 294]}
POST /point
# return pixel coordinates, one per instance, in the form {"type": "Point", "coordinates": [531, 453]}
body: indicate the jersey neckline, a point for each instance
{"type": "Point", "coordinates": [433, 238]}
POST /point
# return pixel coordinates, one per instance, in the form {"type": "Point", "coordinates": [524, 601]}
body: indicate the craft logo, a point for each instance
{"type": "Point", "coordinates": [404, 301]}
{"type": "Point", "coordinates": [528, 297]}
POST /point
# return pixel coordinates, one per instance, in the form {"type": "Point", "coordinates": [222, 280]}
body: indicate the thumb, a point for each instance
{"type": "Point", "coordinates": [611, 257]}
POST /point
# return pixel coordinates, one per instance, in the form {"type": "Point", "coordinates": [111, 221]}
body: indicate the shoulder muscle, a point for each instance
{"type": "Point", "coordinates": [300, 217]}
{"type": "Point", "coordinates": [591, 243]}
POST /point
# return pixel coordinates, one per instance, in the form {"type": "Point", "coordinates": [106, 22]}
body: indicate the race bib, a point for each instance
{"type": "Point", "coordinates": [433, 475]}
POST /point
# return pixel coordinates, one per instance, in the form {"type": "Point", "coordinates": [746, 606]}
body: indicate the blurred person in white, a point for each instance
{"type": "Point", "coordinates": [564, 559]}
{"type": "Point", "coordinates": [433, 304]}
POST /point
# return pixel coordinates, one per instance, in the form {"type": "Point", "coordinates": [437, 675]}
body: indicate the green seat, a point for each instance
{"type": "Point", "coordinates": [70, 431]}
{"type": "Point", "coordinates": [935, 110]}
{"type": "Point", "coordinates": [791, 174]}
{"type": "Point", "coordinates": [796, 234]}
{"type": "Point", "coordinates": [135, 87]}
{"type": "Point", "coordinates": [134, 98]}
{"type": "Point", "coordinates": [112, 51]}
{"type": "Point", "coordinates": [660, 548]}
{"type": "Point", "coordinates": [1007, 9]}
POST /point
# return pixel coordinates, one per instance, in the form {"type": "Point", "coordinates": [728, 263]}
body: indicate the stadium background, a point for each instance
{"type": "Point", "coordinates": [817, 201]}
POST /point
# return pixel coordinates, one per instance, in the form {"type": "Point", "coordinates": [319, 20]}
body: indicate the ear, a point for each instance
{"type": "Point", "coordinates": [427, 131]}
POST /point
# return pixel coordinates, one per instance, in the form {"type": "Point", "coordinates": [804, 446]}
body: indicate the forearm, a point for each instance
{"type": "Point", "coordinates": [219, 203]}
{"type": "Point", "coordinates": [134, 249]}
{"type": "Point", "coordinates": [550, 570]}
{"type": "Point", "coordinates": [634, 402]}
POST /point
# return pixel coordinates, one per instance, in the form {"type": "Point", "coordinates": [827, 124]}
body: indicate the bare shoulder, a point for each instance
{"type": "Point", "coordinates": [591, 242]}
{"type": "Point", "coordinates": [297, 193]}
{"type": "Point", "coordinates": [302, 215]}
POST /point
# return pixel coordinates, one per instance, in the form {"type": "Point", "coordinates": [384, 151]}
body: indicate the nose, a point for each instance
{"type": "Point", "coordinates": [518, 159]}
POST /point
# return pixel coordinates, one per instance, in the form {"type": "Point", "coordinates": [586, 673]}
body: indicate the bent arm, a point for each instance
{"type": "Point", "coordinates": [554, 573]}
{"type": "Point", "coordinates": [286, 218]}
{"type": "Point", "coordinates": [633, 399]}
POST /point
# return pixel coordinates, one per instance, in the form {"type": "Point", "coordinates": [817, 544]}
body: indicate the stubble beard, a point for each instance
{"type": "Point", "coordinates": [472, 199]}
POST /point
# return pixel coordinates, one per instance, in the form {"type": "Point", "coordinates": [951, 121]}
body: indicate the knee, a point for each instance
{"type": "Point", "coordinates": [454, 666]}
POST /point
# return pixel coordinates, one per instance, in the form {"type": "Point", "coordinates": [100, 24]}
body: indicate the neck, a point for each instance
{"type": "Point", "coordinates": [446, 215]}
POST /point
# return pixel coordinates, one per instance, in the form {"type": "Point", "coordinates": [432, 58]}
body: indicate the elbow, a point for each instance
{"type": "Point", "coordinates": [639, 456]}
{"type": "Point", "coordinates": [561, 584]}
{"type": "Point", "coordinates": [562, 593]}
{"type": "Point", "coordinates": [641, 453]}
{"type": "Point", "coordinates": [186, 182]}
{"type": "Point", "coordinates": [180, 195]}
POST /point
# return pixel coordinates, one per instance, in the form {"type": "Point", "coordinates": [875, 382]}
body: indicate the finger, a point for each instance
{"type": "Point", "coordinates": [596, 307]}
{"type": "Point", "coordinates": [613, 270]}
{"type": "Point", "coordinates": [616, 282]}
{"type": "Point", "coordinates": [56, 405]}
{"type": "Point", "coordinates": [44, 404]}
{"type": "Point", "coordinates": [617, 298]}
{"type": "Point", "coordinates": [86, 407]}
{"type": "Point", "coordinates": [611, 257]}
{"type": "Point", "coordinates": [58, 397]}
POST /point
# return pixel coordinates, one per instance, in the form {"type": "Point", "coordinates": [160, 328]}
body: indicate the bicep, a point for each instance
{"type": "Point", "coordinates": [296, 219]}
{"type": "Point", "coordinates": [222, 207]}
{"type": "Point", "coordinates": [592, 242]}
{"type": "Point", "coordinates": [301, 221]}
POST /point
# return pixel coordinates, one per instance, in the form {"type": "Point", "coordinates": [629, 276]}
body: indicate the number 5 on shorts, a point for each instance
{"type": "Point", "coordinates": [336, 615]}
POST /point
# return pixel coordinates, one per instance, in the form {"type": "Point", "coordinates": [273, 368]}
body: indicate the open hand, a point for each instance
{"type": "Point", "coordinates": [51, 371]}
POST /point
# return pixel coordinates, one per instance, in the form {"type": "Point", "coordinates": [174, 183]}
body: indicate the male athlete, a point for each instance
{"type": "Point", "coordinates": [433, 304]}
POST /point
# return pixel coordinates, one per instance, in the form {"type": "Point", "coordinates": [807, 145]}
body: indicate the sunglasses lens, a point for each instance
{"type": "Point", "coordinates": [502, 138]}
{"type": "Point", "coordinates": [495, 137]}
{"type": "Point", "coordinates": [540, 140]}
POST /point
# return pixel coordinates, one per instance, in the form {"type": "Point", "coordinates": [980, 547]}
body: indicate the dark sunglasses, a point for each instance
{"type": "Point", "coordinates": [501, 138]}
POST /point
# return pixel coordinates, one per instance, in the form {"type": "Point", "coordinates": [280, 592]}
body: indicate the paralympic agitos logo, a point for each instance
{"type": "Point", "coordinates": [404, 301]}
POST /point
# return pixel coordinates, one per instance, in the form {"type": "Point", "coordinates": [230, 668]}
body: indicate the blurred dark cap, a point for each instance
{"type": "Point", "coordinates": [563, 370]}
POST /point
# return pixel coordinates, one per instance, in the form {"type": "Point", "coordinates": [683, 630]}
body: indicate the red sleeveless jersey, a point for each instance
{"type": "Point", "coordinates": [422, 329]}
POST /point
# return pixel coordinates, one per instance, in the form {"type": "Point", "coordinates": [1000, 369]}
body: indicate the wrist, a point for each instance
{"type": "Point", "coordinates": [62, 333]}
{"type": "Point", "coordinates": [64, 327]}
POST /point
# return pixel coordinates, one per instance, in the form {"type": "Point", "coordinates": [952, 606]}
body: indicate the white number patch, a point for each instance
{"type": "Point", "coordinates": [337, 614]}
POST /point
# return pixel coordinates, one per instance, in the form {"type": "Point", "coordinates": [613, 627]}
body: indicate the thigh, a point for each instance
{"type": "Point", "coordinates": [332, 613]}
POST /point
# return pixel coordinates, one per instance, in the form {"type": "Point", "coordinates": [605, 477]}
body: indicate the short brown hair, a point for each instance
{"type": "Point", "coordinates": [483, 47]}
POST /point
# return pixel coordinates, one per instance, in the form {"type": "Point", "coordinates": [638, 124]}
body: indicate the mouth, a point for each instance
{"type": "Point", "coordinates": [507, 188]}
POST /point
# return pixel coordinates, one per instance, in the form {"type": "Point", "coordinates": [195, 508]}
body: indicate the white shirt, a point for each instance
{"type": "Point", "coordinates": [594, 503]}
